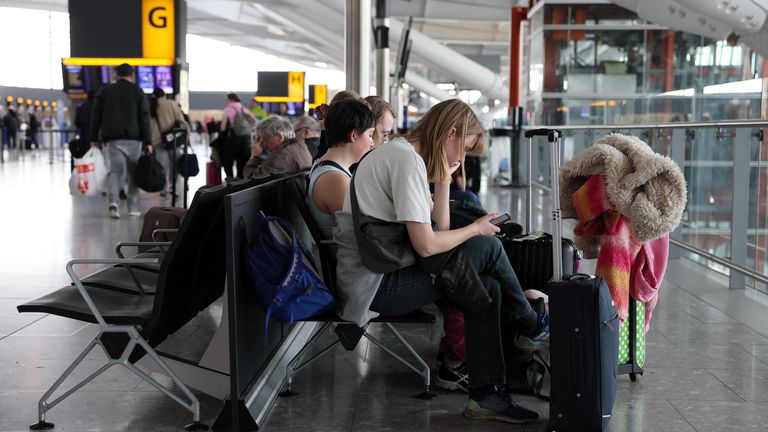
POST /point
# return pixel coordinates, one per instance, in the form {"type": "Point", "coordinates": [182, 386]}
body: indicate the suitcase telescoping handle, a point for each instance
{"type": "Point", "coordinates": [554, 137]}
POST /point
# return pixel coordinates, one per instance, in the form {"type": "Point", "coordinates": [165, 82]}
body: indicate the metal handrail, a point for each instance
{"type": "Point", "coordinates": [682, 125]}
{"type": "Point", "coordinates": [722, 261]}
{"type": "Point", "coordinates": [675, 125]}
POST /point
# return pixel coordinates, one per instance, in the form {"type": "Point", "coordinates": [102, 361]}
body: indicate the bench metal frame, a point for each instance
{"type": "Point", "coordinates": [294, 366]}
{"type": "Point", "coordinates": [134, 340]}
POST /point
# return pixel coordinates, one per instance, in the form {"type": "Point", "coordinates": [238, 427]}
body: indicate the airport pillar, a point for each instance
{"type": "Point", "coordinates": [357, 49]}
{"type": "Point", "coordinates": [382, 49]}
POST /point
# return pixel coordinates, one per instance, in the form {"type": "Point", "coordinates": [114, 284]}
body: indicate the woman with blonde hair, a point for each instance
{"type": "Point", "coordinates": [392, 184]}
{"type": "Point", "coordinates": [385, 119]}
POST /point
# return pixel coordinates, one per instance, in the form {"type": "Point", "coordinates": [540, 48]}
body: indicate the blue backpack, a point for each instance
{"type": "Point", "coordinates": [283, 273]}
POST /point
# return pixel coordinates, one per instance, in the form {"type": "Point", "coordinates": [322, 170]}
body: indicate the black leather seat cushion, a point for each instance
{"type": "Point", "coordinates": [116, 307]}
{"type": "Point", "coordinates": [117, 278]}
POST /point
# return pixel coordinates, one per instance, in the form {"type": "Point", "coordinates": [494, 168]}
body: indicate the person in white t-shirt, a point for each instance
{"type": "Point", "coordinates": [392, 184]}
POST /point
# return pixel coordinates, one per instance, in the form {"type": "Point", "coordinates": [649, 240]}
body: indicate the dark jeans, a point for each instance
{"type": "Point", "coordinates": [466, 196]}
{"type": "Point", "coordinates": [235, 150]}
{"type": "Point", "coordinates": [411, 288]}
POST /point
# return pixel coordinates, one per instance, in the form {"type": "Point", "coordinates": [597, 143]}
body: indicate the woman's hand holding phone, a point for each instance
{"type": "Point", "coordinates": [483, 225]}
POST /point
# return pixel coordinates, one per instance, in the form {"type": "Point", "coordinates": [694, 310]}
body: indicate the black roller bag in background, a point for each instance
{"type": "Point", "coordinates": [584, 331]}
{"type": "Point", "coordinates": [531, 257]}
{"type": "Point", "coordinates": [531, 254]}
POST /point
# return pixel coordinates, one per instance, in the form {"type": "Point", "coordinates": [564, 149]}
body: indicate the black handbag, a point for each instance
{"type": "Point", "coordinates": [78, 148]}
{"type": "Point", "coordinates": [384, 246]}
{"type": "Point", "coordinates": [149, 175]}
{"type": "Point", "coordinates": [463, 213]}
{"type": "Point", "coordinates": [187, 165]}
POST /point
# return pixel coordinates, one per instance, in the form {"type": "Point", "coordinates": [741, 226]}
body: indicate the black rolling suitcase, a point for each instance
{"type": "Point", "coordinates": [584, 332]}
{"type": "Point", "coordinates": [530, 253]}
{"type": "Point", "coordinates": [531, 257]}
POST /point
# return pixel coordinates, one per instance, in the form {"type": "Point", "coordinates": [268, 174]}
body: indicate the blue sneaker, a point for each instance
{"type": "Point", "coordinates": [498, 406]}
{"type": "Point", "coordinates": [539, 340]}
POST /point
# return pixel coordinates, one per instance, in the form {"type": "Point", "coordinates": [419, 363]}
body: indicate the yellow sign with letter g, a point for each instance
{"type": "Point", "coordinates": [158, 29]}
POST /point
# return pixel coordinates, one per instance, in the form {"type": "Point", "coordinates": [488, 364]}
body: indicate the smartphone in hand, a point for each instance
{"type": "Point", "coordinates": [501, 219]}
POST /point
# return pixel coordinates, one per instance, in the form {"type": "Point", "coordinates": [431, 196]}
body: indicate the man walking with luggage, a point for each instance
{"type": "Point", "coordinates": [121, 114]}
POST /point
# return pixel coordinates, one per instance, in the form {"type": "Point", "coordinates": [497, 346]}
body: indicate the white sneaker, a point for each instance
{"type": "Point", "coordinates": [114, 213]}
{"type": "Point", "coordinates": [134, 213]}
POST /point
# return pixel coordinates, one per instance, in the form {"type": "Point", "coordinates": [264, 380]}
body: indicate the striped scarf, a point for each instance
{"type": "Point", "coordinates": [618, 246]}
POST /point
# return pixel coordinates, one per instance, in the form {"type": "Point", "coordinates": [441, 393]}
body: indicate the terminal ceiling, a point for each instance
{"type": "Point", "coordinates": [312, 31]}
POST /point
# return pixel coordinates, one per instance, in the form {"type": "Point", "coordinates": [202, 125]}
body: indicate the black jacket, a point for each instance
{"type": "Point", "coordinates": [120, 111]}
{"type": "Point", "coordinates": [83, 120]}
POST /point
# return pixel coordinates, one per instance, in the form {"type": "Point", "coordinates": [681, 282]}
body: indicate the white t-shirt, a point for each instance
{"type": "Point", "coordinates": [391, 184]}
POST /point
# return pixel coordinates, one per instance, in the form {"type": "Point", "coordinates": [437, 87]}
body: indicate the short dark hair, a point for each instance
{"type": "Point", "coordinates": [124, 70]}
{"type": "Point", "coordinates": [158, 92]}
{"type": "Point", "coordinates": [233, 97]}
{"type": "Point", "coordinates": [344, 117]}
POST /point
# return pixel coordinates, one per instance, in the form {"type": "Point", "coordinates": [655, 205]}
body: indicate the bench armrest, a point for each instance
{"type": "Point", "coordinates": [163, 231]}
{"type": "Point", "coordinates": [79, 284]}
{"type": "Point", "coordinates": [119, 247]}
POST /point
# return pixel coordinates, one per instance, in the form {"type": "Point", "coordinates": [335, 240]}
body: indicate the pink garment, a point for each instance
{"type": "Point", "coordinates": [647, 273]}
{"type": "Point", "coordinates": [232, 108]}
{"type": "Point", "coordinates": [453, 325]}
{"type": "Point", "coordinates": [533, 294]}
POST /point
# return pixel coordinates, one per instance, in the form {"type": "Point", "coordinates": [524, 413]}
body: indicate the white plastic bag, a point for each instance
{"type": "Point", "coordinates": [90, 174]}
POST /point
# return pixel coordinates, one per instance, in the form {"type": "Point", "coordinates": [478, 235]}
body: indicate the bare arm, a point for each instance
{"type": "Point", "coordinates": [440, 212]}
{"type": "Point", "coordinates": [329, 192]}
{"type": "Point", "coordinates": [427, 242]}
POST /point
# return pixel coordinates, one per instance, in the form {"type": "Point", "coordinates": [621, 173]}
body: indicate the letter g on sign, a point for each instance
{"type": "Point", "coordinates": [159, 21]}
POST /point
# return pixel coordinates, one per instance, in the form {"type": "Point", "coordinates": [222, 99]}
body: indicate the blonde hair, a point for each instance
{"type": "Point", "coordinates": [379, 107]}
{"type": "Point", "coordinates": [432, 132]}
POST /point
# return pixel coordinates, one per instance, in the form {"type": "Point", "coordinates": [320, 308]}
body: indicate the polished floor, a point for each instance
{"type": "Point", "coordinates": [706, 370]}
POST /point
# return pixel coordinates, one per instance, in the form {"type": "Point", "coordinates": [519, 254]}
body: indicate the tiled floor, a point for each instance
{"type": "Point", "coordinates": [707, 367]}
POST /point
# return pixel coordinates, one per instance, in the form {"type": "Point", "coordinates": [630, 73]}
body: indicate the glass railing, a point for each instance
{"type": "Point", "coordinates": [617, 108]}
{"type": "Point", "coordinates": [725, 223]}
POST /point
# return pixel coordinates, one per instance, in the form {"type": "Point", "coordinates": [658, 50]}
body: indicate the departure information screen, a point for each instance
{"type": "Point", "coordinates": [81, 79]}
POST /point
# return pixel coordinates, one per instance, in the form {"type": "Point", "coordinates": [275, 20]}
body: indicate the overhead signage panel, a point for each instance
{"type": "Point", "coordinates": [280, 87]}
{"type": "Point", "coordinates": [158, 28]}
